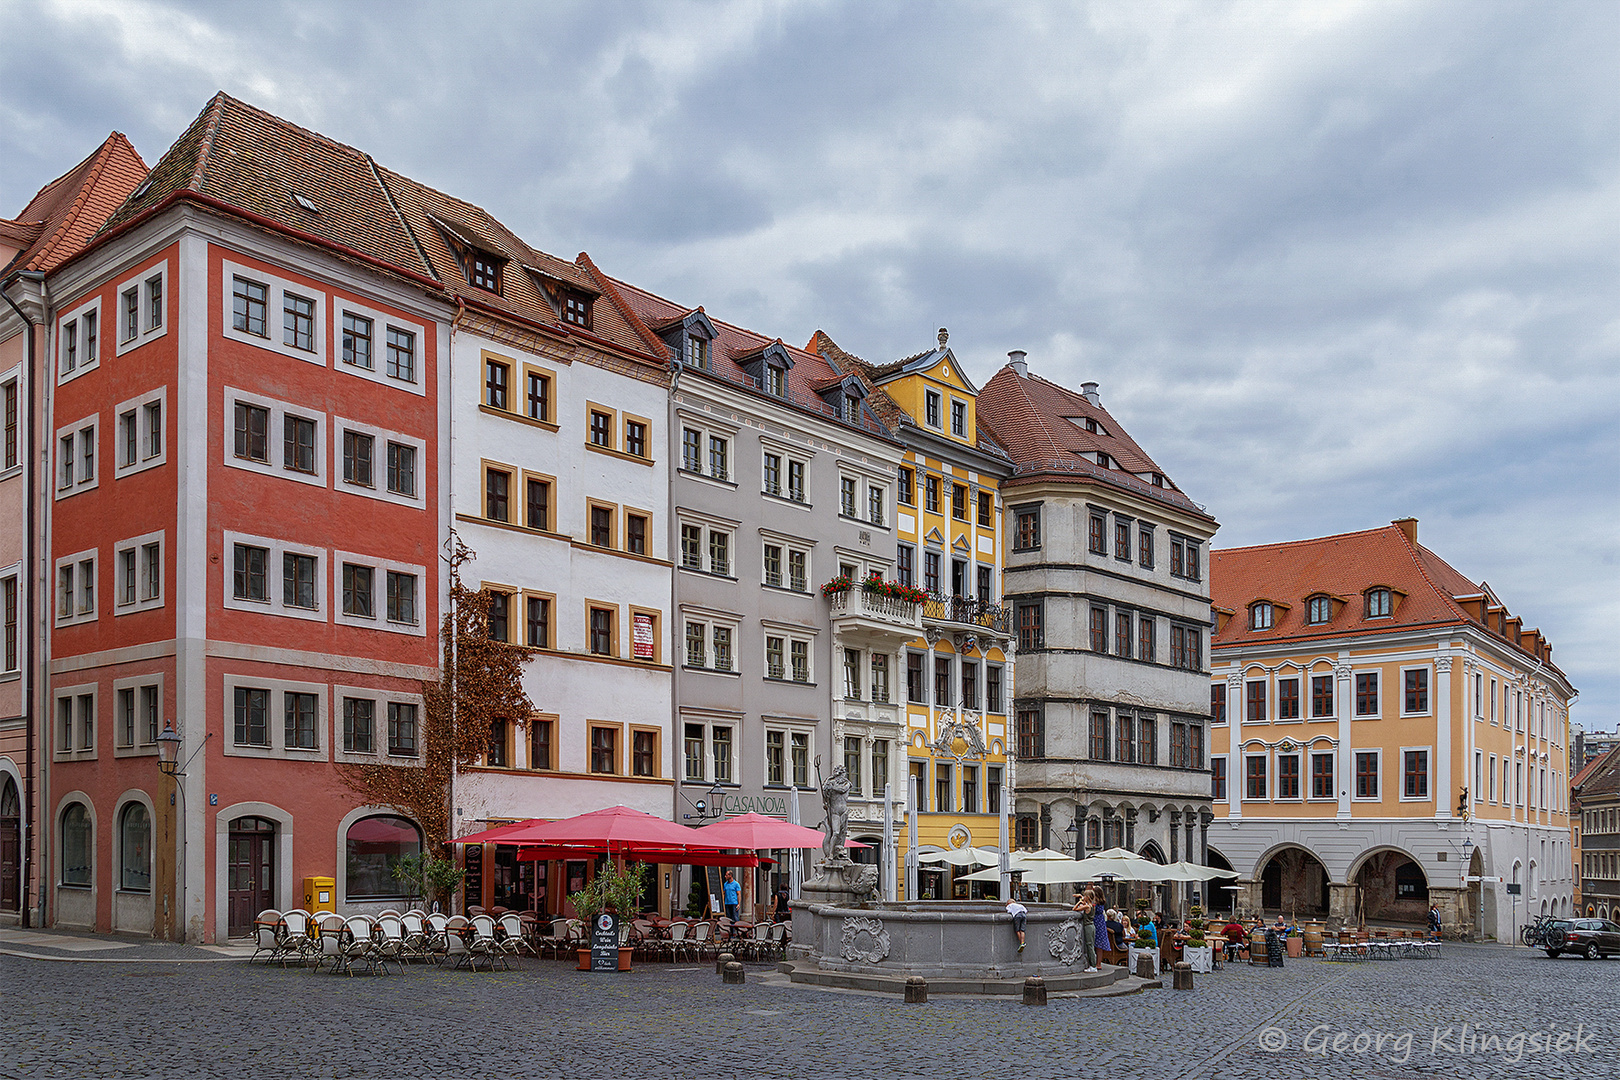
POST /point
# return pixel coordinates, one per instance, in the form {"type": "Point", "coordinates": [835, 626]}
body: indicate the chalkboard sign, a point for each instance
{"type": "Point", "coordinates": [716, 891]}
{"type": "Point", "coordinates": [605, 942]}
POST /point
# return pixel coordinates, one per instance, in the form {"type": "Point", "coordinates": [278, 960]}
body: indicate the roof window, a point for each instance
{"type": "Point", "coordinates": [306, 203]}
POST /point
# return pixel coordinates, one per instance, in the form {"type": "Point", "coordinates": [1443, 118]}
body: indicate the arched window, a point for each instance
{"type": "Point", "coordinates": [371, 848]}
{"type": "Point", "coordinates": [135, 849]}
{"type": "Point", "coordinates": [1378, 606]}
{"type": "Point", "coordinates": [1260, 616]}
{"type": "Point", "coordinates": [76, 845]}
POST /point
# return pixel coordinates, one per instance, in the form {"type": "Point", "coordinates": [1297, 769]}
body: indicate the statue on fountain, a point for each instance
{"type": "Point", "coordinates": [835, 800]}
{"type": "Point", "coordinates": [838, 879]}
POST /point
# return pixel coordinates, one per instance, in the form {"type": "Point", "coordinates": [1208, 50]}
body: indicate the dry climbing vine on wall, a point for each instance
{"type": "Point", "coordinates": [481, 682]}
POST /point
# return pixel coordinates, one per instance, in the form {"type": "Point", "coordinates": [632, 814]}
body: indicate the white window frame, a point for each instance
{"type": "Point", "coordinates": [92, 424]}
{"type": "Point", "coordinates": [135, 684]}
{"type": "Point", "coordinates": [937, 399]}
{"type": "Point", "coordinates": [1429, 692]}
{"type": "Point", "coordinates": [789, 634]}
{"type": "Point", "coordinates": [379, 587]}
{"type": "Point", "coordinates": [13, 378]}
{"type": "Point", "coordinates": [790, 456]}
{"type": "Point", "coordinates": [788, 544]}
{"type": "Point", "coordinates": [73, 693]}
{"type": "Point", "coordinates": [275, 437]}
{"type": "Point", "coordinates": [275, 304]}
{"type": "Point", "coordinates": [144, 331]}
{"type": "Point", "coordinates": [137, 544]}
{"type": "Point", "coordinates": [381, 437]}
{"type": "Point", "coordinates": [1432, 796]}
{"type": "Point", "coordinates": [275, 718]}
{"type": "Point", "coordinates": [80, 366]}
{"type": "Point", "coordinates": [380, 322]}
{"type": "Point", "coordinates": [274, 604]}
{"type": "Point", "coordinates": [958, 403]}
{"type": "Point", "coordinates": [789, 728]}
{"type": "Point", "coordinates": [1378, 754]}
{"type": "Point", "coordinates": [711, 619]}
{"type": "Point", "coordinates": [708, 429]}
{"type": "Point", "coordinates": [380, 700]}
{"type": "Point", "coordinates": [144, 459]}
{"type": "Point", "coordinates": [1307, 779]}
{"type": "Point", "coordinates": [1376, 714]}
{"type": "Point", "coordinates": [1303, 776]}
{"type": "Point", "coordinates": [708, 525]}
{"type": "Point", "coordinates": [75, 617]}
{"type": "Point", "coordinates": [1228, 759]}
{"type": "Point", "coordinates": [13, 573]}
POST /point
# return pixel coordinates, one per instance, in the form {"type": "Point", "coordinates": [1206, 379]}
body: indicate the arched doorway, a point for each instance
{"type": "Point", "coordinates": [1219, 893]}
{"type": "Point", "coordinates": [250, 872]}
{"type": "Point", "coordinates": [1475, 896]}
{"type": "Point", "coordinates": [1294, 882]}
{"type": "Point", "coordinates": [10, 847]}
{"type": "Point", "coordinates": [1391, 887]}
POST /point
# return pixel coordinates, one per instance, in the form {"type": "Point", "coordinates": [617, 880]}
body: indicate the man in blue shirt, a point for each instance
{"type": "Point", "coordinates": [732, 895]}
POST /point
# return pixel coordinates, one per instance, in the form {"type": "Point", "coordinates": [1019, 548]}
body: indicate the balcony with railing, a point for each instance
{"type": "Point", "coordinates": [968, 611]}
{"type": "Point", "coordinates": [881, 612]}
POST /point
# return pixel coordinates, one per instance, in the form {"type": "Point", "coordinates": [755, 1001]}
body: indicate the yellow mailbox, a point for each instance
{"type": "Point", "coordinates": [320, 894]}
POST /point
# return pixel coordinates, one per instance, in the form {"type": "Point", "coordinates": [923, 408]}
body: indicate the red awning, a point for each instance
{"type": "Point", "coordinates": [498, 833]}
{"type": "Point", "coordinates": [688, 857]}
{"type": "Point", "coordinates": [617, 829]}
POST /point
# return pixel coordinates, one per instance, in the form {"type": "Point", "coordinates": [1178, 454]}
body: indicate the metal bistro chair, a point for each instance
{"type": "Point", "coordinates": [329, 942]}
{"type": "Point", "coordinates": [388, 937]}
{"type": "Point", "coordinates": [413, 926]}
{"type": "Point", "coordinates": [358, 945]}
{"type": "Point", "coordinates": [703, 940]}
{"type": "Point", "coordinates": [295, 936]}
{"type": "Point", "coordinates": [680, 941]}
{"type": "Point", "coordinates": [482, 942]}
{"type": "Point", "coordinates": [266, 935]}
{"type": "Point", "coordinates": [453, 938]}
{"type": "Point", "coordinates": [510, 937]}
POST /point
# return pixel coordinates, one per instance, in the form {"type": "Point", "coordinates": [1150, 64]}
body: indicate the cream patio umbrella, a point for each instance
{"type": "Point", "coordinates": [968, 856]}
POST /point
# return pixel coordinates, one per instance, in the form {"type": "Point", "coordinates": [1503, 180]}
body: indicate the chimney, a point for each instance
{"type": "Point", "coordinates": [1015, 360]}
{"type": "Point", "coordinates": [944, 336]}
{"type": "Point", "coordinates": [1088, 390]}
{"type": "Point", "coordinates": [1407, 525]}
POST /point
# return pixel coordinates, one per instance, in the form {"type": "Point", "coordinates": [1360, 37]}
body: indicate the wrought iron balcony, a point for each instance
{"type": "Point", "coordinates": [968, 611]}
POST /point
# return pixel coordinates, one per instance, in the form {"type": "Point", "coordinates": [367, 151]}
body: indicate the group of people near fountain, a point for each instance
{"type": "Point", "coordinates": [1111, 930]}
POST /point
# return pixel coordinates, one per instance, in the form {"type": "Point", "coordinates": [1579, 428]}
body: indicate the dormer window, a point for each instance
{"type": "Point", "coordinates": [775, 382]}
{"type": "Point", "coordinates": [1102, 459]}
{"type": "Point", "coordinates": [484, 271]}
{"type": "Point", "coordinates": [1158, 479]}
{"type": "Point", "coordinates": [1318, 610]}
{"type": "Point", "coordinates": [1091, 426]}
{"type": "Point", "coordinates": [1260, 615]}
{"type": "Point", "coordinates": [931, 408]}
{"type": "Point", "coordinates": [697, 351]}
{"type": "Point", "coordinates": [1379, 604]}
{"type": "Point", "coordinates": [576, 309]}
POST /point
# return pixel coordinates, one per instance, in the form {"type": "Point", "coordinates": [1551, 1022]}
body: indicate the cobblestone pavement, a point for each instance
{"type": "Point", "coordinates": [1311, 1019]}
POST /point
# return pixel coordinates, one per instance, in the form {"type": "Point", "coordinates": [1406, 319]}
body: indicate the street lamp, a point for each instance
{"type": "Point", "coordinates": [1074, 837]}
{"type": "Point", "coordinates": [717, 793]}
{"type": "Point", "coordinates": [169, 749]}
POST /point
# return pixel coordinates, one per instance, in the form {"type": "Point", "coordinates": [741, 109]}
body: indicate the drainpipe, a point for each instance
{"type": "Point", "coordinates": [27, 578]}
{"type": "Point", "coordinates": [674, 618]}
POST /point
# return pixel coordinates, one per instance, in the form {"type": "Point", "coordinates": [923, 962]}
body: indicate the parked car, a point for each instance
{"type": "Point", "coordinates": [1590, 938]}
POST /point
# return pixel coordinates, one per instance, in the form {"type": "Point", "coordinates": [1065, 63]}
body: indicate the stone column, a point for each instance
{"type": "Point", "coordinates": [1175, 835]}
{"type": "Point", "coordinates": [1130, 830]}
{"type": "Point", "coordinates": [1443, 791]}
{"type": "Point", "coordinates": [1341, 901]}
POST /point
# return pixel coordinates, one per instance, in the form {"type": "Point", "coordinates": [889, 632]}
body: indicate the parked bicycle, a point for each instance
{"type": "Point", "coordinates": [1534, 933]}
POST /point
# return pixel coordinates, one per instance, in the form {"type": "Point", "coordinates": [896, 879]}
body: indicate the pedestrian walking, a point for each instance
{"type": "Point", "coordinates": [1099, 923]}
{"type": "Point", "coordinates": [1085, 905]}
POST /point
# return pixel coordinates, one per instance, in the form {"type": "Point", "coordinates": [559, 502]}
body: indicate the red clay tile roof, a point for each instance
{"type": "Point", "coordinates": [878, 400]}
{"type": "Point", "coordinates": [1609, 760]}
{"type": "Point", "coordinates": [1342, 566]}
{"type": "Point", "coordinates": [246, 158]}
{"type": "Point", "coordinates": [808, 371]}
{"type": "Point", "coordinates": [68, 211]}
{"type": "Point", "coordinates": [1042, 425]}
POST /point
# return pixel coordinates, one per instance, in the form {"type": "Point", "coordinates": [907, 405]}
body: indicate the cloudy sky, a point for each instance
{"type": "Point", "coordinates": [1332, 262]}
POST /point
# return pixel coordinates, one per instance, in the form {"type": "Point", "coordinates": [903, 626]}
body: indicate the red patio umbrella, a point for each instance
{"type": "Point", "coordinates": [617, 829]}
{"type": "Point", "coordinates": [497, 834]}
{"type": "Point", "coordinates": [756, 831]}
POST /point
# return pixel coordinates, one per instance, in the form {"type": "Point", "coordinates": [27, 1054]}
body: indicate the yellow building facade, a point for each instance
{"type": "Point", "coordinates": [955, 680]}
{"type": "Point", "coordinates": [1387, 736]}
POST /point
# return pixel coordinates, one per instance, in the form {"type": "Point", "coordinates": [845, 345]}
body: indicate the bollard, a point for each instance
{"type": "Point", "coordinates": [1144, 967]}
{"type": "Point", "coordinates": [916, 990]}
{"type": "Point", "coordinates": [1034, 990]}
{"type": "Point", "coordinates": [733, 973]}
{"type": "Point", "coordinates": [721, 961]}
{"type": "Point", "coordinates": [1182, 977]}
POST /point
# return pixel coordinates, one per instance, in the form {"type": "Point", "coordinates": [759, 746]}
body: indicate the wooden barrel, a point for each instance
{"type": "Point", "coordinates": [1313, 939]}
{"type": "Point", "coordinates": [1257, 947]}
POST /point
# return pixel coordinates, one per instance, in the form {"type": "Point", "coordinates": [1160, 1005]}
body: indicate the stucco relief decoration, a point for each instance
{"type": "Point", "coordinates": [958, 737]}
{"type": "Point", "coordinates": [1063, 941]}
{"type": "Point", "coordinates": [959, 837]}
{"type": "Point", "coordinates": [877, 940]}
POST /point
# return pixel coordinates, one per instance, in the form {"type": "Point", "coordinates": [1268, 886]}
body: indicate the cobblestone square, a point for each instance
{"type": "Point", "coordinates": [1480, 1011]}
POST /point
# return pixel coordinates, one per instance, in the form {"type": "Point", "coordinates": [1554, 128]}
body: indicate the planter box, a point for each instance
{"type": "Point", "coordinates": [624, 958]}
{"type": "Point", "coordinates": [1202, 960]}
{"type": "Point", "coordinates": [1135, 952]}
{"type": "Point", "coordinates": [1296, 948]}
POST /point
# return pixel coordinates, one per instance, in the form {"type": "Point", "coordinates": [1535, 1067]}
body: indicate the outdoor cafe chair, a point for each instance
{"type": "Point", "coordinates": [481, 942]}
{"type": "Point", "coordinates": [453, 940]}
{"type": "Point", "coordinates": [778, 940]}
{"type": "Point", "coordinates": [702, 939]}
{"type": "Point", "coordinates": [679, 942]}
{"type": "Point", "coordinates": [413, 927]}
{"type": "Point", "coordinates": [358, 945]}
{"type": "Point", "coordinates": [295, 936]}
{"type": "Point", "coordinates": [389, 938]}
{"type": "Point", "coordinates": [510, 938]}
{"type": "Point", "coordinates": [266, 935]}
{"type": "Point", "coordinates": [328, 943]}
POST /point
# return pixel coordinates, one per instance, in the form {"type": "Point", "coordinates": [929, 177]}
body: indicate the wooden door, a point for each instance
{"type": "Point", "coordinates": [250, 882]}
{"type": "Point", "coordinates": [10, 847]}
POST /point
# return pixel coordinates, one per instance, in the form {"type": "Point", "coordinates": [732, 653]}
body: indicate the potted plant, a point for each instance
{"type": "Point", "coordinates": [1198, 951]}
{"type": "Point", "coordinates": [1296, 943]}
{"type": "Point", "coordinates": [613, 890]}
{"type": "Point", "coordinates": [840, 584]}
{"type": "Point", "coordinates": [427, 878]}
